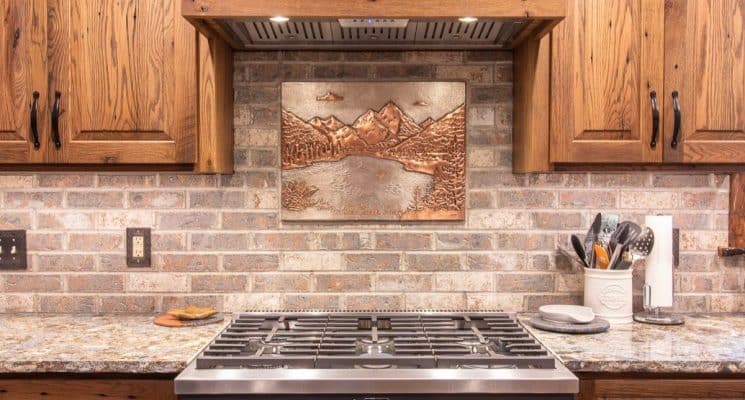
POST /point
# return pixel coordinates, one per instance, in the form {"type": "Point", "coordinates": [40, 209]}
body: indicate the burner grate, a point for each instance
{"type": "Point", "coordinates": [374, 340]}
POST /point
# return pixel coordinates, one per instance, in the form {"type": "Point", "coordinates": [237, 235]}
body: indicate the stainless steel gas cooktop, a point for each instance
{"type": "Point", "coordinates": [361, 353]}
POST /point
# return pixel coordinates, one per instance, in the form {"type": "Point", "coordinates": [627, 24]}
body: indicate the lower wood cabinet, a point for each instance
{"type": "Point", "coordinates": [86, 389]}
{"type": "Point", "coordinates": [651, 386]}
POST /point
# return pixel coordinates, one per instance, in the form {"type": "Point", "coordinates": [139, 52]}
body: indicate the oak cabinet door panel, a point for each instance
{"type": "Point", "coordinates": [22, 67]}
{"type": "Point", "coordinates": [705, 65]}
{"type": "Point", "coordinates": [124, 73]}
{"type": "Point", "coordinates": [607, 59]}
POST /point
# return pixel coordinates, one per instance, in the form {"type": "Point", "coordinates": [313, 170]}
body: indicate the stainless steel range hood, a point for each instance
{"type": "Point", "coordinates": [373, 24]}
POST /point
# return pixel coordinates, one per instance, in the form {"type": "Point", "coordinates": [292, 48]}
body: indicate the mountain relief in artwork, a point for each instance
{"type": "Point", "coordinates": [324, 154]}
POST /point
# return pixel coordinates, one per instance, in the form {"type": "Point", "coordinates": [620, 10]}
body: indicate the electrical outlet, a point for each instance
{"type": "Point", "coordinates": [13, 249]}
{"type": "Point", "coordinates": [138, 247]}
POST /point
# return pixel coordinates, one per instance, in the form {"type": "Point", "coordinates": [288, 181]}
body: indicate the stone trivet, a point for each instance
{"type": "Point", "coordinates": [595, 326]}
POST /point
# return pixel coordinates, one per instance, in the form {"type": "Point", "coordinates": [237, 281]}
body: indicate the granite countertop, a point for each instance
{"type": "Point", "coordinates": [704, 344]}
{"type": "Point", "coordinates": [132, 344]}
{"type": "Point", "coordinates": [97, 344]}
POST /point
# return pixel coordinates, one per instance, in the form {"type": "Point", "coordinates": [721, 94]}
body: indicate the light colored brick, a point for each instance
{"type": "Point", "coordinates": [252, 301]}
{"type": "Point", "coordinates": [247, 221]}
{"type": "Point", "coordinates": [649, 200]}
{"type": "Point", "coordinates": [595, 199]}
{"type": "Point", "coordinates": [157, 283]}
{"type": "Point", "coordinates": [464, 282]}
{"type": "Point", "coordinates": [494, 301]}
{"type": "Point", "coordinates": [403, 282]}
{"type": "Point", "coordinates": [310, 302]}
{"type": "Point", "coordinates": [16, 303]}
{"type": "Point", "coordinates": [464, 241]}
{"type": "Point", "coordinates": [496, 261]}
{"type": "Point", "coordinates": [121, 220]}
{"type": "Point", "coordinates": [435, 301]}
{"type": "Point", "coordinates": [15, 220]}
{"type": "Point", "coordinates": [16, 181]}
{"type": "Point", "coordinates": [216, 199]}
{"type": "Point", "coordinates": [526, 199]}
{"type": "Point", "coordinates": [126, 181]}
{"type": "Point", "coordinates": [65, 220]}
{"type": "Point", "coordinates": [66, 181]}
{"type": "Point", "coordinates": [373, 302]}
{"type": "Point", "coordinates": [497, 219]}
{"type": "Point", "coordinates": [312, 261]}
{"type": "Point", "coordinates": [182, 300]}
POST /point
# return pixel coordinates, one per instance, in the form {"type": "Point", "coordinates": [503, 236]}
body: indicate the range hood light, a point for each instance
{"type": "Point", "coordinates": [467, 20]}
{"type": "Point", "coordinates": [279, 19]}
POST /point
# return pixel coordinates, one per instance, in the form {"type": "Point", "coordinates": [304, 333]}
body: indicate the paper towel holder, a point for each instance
{"type": "Point", "coordinates": [655, 315]}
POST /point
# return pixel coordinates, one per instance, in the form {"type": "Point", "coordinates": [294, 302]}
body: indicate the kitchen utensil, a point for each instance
{"type": "Point", "coordinates": [601, 257]}
{"type": "Point", "coordinates": [170, 321]}
{"type": "Point", "coordinates": [642, 246]}
{"type": "Point", "coordinates": [626, 261]}
{"type": "Point", "coordinates": [595, 326]}
{"type": "Point", "coordinates": [577, 244]}
{"type": "Point", "coordinates": [592, 238]}
{"type": "Point", "coordinates": [608, 225]}
{"type": "Point", "coordinates": [628, 234]}
{"type": "Point", "coordinates": [567, 313]}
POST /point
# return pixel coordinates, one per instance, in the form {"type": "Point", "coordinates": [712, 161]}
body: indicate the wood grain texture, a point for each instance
{"type": "Point", "coordinates": [705, 63]}
{"type": "Point", "coordinates": [17, 50]}
{"type": "Point", "coordinates": [215, 107]}
{"type": "Point", "coordinates": [737, 211]}
{"type": "Point", "coordinates": [606, 59]}
{"type": "Point", "coordinates": [86, 389]}
{"type": "Point", "coordinates": [662, 388]}
{"type": "Point", "coordinates": [127, 74]}
{"type": "Point", "coordinates": [531, 100]}
{"type": "Point", "coordinates": [368, 8]}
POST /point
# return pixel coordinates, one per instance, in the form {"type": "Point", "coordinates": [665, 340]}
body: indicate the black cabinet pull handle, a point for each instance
{"type": "Point", "coordinates": [55, 120]}
{"type": "Point", "coordinates": [678, 116]}
{"type": "Point", "coordinates": [655, 119]}
{"type": "Point", "coordinates": [34, 125]}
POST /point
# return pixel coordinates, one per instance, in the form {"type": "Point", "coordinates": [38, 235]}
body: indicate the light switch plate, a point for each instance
{"type": "Point", "coordinates": [138, 247]}
{"type": "Point", "coordinates": [13, 250]}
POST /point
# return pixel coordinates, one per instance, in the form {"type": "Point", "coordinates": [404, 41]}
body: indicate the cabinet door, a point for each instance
{"type": "Point", "coordinates": [124, 72]}
{"type": "Point", "coordinates": [607, 59]}
{"type": "Point", "coordinates": [705, 65]}
{"type": "Point", "coordinates": [21, 70]}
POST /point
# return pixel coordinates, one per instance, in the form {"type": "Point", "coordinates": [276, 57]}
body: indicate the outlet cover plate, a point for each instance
{"type": "Point", "coordinates": [10, 259]}
{"type": "Point", "coordinates": [138, 262]}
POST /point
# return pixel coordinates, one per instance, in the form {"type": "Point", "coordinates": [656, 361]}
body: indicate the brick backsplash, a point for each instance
{"type": "Point", "coordinates": [219, 240]}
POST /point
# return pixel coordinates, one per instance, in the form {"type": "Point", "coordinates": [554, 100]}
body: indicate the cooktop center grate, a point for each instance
{"type": "Point", "coordinates": [375, 340]}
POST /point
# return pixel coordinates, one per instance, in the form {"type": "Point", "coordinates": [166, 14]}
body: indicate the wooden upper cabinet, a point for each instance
{"type": "Point", "coordinates": [18, 82]}
{"type": "Point", "coordinates": [705, 65]}
{"type": "Point", "coordinates": [607, 59]}
{"type": "Point", "coordinates": [124, 74]}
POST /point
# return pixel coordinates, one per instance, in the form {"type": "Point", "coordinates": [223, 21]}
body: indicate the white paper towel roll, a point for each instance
{"type": "Point", "coordinates": [659, 264]}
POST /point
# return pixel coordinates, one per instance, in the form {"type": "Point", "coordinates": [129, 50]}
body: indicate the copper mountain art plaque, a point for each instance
{"type": "Point", "coordinates": [375, 151]}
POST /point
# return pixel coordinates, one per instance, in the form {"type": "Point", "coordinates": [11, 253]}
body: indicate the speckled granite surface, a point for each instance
{"type": "Point", "coordinates": [132, 344]}
{"type": "Point", "coordinates": [705, 344]}
{"type": "Point", "coordinates": [101, 344]}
